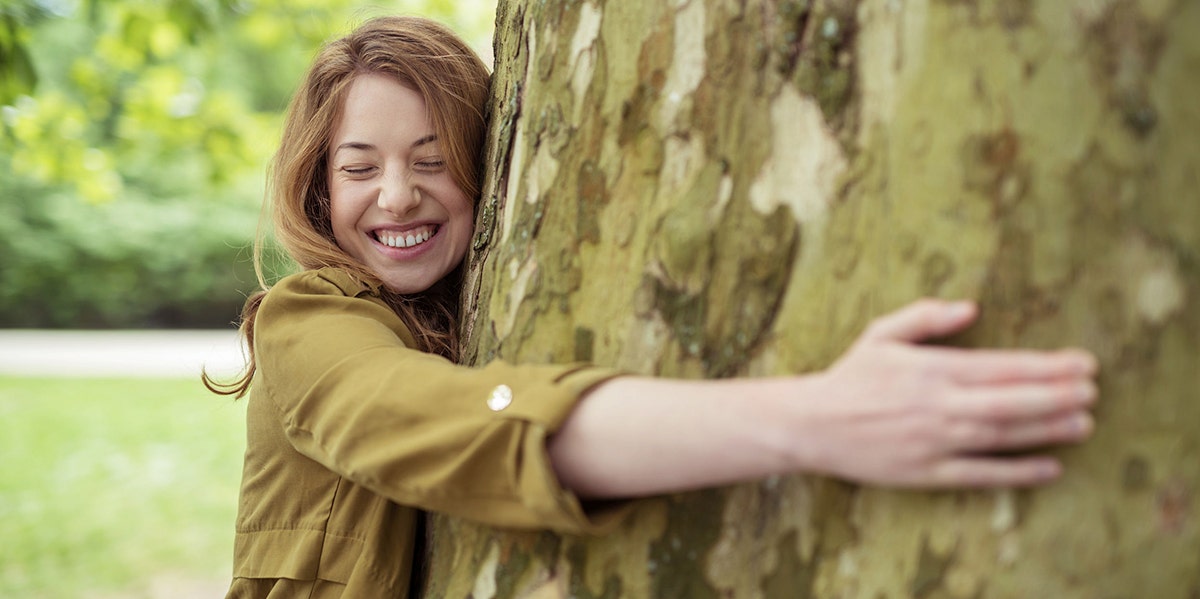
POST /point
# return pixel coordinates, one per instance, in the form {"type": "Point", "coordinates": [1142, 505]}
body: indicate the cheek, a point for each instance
{"type": "Point", "coordinates": [342, 216]}
{"type": "Point", "coordinates": [463, 217]}
{"type": "Point", "coordinates": [465, 214]}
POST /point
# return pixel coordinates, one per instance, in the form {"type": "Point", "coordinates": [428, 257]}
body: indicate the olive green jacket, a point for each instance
{"type": "Point", "coordinates": [350, 434]}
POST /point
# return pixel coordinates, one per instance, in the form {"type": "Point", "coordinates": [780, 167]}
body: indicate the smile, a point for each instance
{"type": "Point", "coordinates": [406, 239]}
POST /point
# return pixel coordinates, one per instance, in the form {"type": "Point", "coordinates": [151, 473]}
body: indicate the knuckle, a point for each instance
{"type": "Point", "coordinates": [979, 435]}
{"type": "Point", "coordinates": [991, 435]}
{"type": "Point", "coordinates": [961, 434]}
{"type": "Point", "coordinates": [927, 367]}
{"type": "Point", "coordinates": [995, 409]}
{"type": "Point", "coordinates": [876, 327]}
{"type": "Point", "coordinates": [957, 473]}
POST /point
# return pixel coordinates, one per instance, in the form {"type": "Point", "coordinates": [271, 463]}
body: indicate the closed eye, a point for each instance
{"type": "Point", "coordinates": [431, 165]}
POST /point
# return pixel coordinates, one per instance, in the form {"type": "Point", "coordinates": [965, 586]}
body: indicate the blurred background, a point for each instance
{"type": "Point", "coordinates": [134, 140]}
{"type": "Point", "coordinates": [135, 136]}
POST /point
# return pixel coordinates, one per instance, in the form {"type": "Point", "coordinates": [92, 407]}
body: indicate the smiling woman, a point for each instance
{"type": "Point", "coordinates": [394, 204]}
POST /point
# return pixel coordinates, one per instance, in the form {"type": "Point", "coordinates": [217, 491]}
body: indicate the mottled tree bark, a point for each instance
{"type": "Point", "coordinates": [709, 188]}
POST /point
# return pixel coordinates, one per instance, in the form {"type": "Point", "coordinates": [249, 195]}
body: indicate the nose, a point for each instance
{"type": "Point", "coordinates": [398, 195]}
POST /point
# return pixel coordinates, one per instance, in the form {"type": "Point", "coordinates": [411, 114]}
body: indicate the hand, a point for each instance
{"type": "Point", "coordinates": [895, 413]}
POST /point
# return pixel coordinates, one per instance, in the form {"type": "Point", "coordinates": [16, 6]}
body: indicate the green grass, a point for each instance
{"type": "Point", "coordinates": [106, 484]}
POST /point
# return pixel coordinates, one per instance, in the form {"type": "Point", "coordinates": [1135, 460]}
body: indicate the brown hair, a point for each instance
{"type": "Point", "coordinates": [420, 54]}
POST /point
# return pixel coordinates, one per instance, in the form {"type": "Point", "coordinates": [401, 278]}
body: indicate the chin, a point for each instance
{"type": "Point", "coordinates": [407, 288]}
{"type": "Point", "coordinates": [411, 285]}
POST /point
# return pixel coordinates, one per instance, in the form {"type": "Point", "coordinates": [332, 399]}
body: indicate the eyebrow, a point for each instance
{"type": "Point", "coordinates": [358, 145]}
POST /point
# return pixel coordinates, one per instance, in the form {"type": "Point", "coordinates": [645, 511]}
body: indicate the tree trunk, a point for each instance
{"type": "Point", "coordinates": [710, 188]}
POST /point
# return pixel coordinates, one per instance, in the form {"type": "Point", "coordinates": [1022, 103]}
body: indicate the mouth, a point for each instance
{"type": "Point", "coordinates": [405, 239]}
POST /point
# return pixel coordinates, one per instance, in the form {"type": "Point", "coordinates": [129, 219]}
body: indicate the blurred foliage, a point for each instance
{"type": "Point", "coordinates": [134, 139]}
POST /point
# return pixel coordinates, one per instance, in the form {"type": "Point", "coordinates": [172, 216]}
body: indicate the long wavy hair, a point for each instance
{"type": "Point", "coordinates": [420, 54]}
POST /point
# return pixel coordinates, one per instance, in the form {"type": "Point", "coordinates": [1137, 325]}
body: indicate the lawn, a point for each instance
{"type": "Point", "coordinates": [116, 488]}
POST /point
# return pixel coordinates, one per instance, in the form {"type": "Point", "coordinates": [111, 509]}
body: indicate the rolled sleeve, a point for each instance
{"type": "Point", "coordinates": [352, 394]}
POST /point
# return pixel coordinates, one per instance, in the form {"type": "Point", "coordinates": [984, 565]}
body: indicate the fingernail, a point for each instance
{"type": "Point", "coordinates": [1085, 391]}
{"type": "Point", "coordinates": [1082, 424]}
{"type": "Point", "coordinates": [1087, 363]}
{"type": "Point", "coordinates": [1049, 469]}
{"type": "Point", "coordinates": [962, 308]}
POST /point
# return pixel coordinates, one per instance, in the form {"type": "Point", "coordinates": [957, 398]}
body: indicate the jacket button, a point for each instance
{"type": "Point", "coordinates": [501, 397]}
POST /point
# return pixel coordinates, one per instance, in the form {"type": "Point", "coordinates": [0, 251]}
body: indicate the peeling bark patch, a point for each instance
{"type": "Point", "coordinates": [823, 63]}
{"type": "Point", "coordinates": [793, 578]}
{"type": "Point", "coordinates": [1174, 506]}
{"type": "Point", "coordinates": [794, 15]}
{"type": "Point", "coordinates": [750, 290]}
{"type": "Point", "coordinates": [512, 181]}
{"type": "Point", "coordinates": [1124, 48]}
{"type": "Point", "coordinates": [585, 341]}
{"type": "Point", "coordinates": [720, 310]}
{"type": "Point", "coordinates": [592, 196]}
{"type": "Point", "coordinates": [485, 580]}
{"type": "Point", "coordinates": [1004, 513]}
{"type": "Point", "coordinates": [521, 274]}
{"type": "Point", "coordinates": [1160, 294]}
{"type": "Point", "coordinates": [583, 61]}
{"type": "Point", "coordinates": [683, 312]}
{"type": "Point", "coordinates": [506, 124]}
{"type": "Point", "coordinates": [936, 269]}
{"type": "Point", "coordinates": [1092, 181]}
{"type": "Point", "coordinates": [931, 570]}
{"type": "Point", "coordinates": [678, 556]}
{"type": "Point", "coordinates": [579, 589]}
{"type": "Point", "coordinates": [687, 61]}
{"type": "Point", "coordinates": [991, 167]}
{"type": "Point", "coordinates": [487, 222]}
{"type": "Point", "coordinates": [635, 112]}
{"type": "Point", "coordinates": [517, 557]}
{"type": "Point", "coordinates": [683, 158]}
{"type": "Point", "coordinates": [530, 223]}
{"type": "Point", "coordinates": [805, 164]}
{"type": "Point", "coordinates": [540, 173]}
{"type": "Point", "coordinates": [1135, 473]}
{"type": "Point", "coordinates": [1014, 14]}
{"type": "Point", "coordinates": [653, 59]}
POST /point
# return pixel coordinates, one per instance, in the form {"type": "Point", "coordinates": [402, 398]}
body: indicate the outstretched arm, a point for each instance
{"type": "Point", "coordinates": [889, 412]}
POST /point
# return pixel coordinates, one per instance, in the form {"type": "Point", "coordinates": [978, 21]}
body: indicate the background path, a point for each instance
{"type": "Point", "coordinates": [156, 353]}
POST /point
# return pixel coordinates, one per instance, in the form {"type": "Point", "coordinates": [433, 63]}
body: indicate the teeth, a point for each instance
{"type": "Point", "coordinates": [404, 241]}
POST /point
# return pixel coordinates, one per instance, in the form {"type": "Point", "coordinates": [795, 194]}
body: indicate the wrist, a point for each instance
{"type": "Point", "coordinates": [795, 427]}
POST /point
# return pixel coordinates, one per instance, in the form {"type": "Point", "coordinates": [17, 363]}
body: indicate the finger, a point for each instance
{"type": "Point", "coordinates": [922, 319]}
{"type": "Point", "coordinates": [988, 366]}
{"type": "Point", "coordinates": [1020, 401]}
{"type": "Point", "coordinates": [975, 436]}
{"type": "Point", "coordinates": [992, 472]}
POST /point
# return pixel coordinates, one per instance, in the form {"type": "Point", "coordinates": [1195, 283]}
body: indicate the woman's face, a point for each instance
{"type": "Point", "coordinates": [394, 205]}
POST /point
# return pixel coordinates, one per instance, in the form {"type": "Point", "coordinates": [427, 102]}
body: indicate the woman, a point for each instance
{"type": "Point", "coordinates": [358, 418]}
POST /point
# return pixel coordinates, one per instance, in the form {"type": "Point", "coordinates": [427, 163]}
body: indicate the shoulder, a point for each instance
{"type": "Point", "coordinates": [326, 302]}
{"type": "Point", "coordinates": [329, 295]}
{"type": "Point", "coordinates": [323, 281]}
